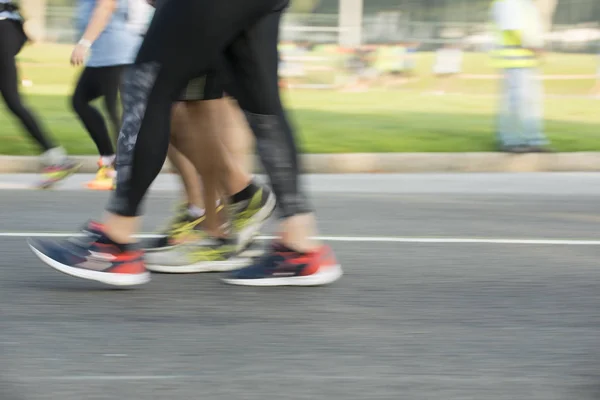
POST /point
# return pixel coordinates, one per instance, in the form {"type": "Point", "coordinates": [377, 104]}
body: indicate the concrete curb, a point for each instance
{"type": "Point", "coordinates": [389, 163]}
{"type": "Point", "coordinates": [451, 162]}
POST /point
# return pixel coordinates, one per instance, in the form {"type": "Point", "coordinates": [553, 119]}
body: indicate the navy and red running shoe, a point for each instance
{"type": "Point", "coordinates": [92, 255]}
{"type": "Point", "coordinates": [282, 266]}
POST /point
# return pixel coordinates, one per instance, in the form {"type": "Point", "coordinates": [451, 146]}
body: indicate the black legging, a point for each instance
{"type": "Point", "coordinates": [12, 40]}
{"type": "Point", "coordinates": [93, 83]}
{"type": "Point", "coordinates": [184, 40]}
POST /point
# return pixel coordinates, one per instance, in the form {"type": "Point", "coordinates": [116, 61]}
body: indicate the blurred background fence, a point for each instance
{"type": "Point", "coordinates": [573, 25]}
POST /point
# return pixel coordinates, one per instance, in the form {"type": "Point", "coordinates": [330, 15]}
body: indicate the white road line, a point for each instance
{"type": "Point", "coordinates": [100, 378]}
{"type": "Point", "coordinates": [60, 235]}
{"type": "Point", "coordinates": [372, 239]}
{"type": "Point", "coordinates": [15, 186]}
{"type": "Point", "coordinates": [307, 377]}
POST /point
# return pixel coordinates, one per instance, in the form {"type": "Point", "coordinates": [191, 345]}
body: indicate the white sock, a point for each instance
{"type": "Point", "coordinates": [54, 156]}
{"type": "Point", "coordinates": [108, 160]}
{"type": "Point", "coordinates": [195, 211]}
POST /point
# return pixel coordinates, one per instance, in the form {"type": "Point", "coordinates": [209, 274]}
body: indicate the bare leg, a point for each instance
{"type": "Point", "coordinates": [209, 155]}
{"type": "Point", "coordinates": [187, 171]}
{"type": "Point", "coordinates": [237, 136]}
{"type": "Point", "coordinates": [120, 228]}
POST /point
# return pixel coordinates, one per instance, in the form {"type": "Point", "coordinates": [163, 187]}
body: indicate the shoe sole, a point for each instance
{"type": "Point", "coordinates": [321, 278]}
{"type": "Point", "coordinates": [158, 249]}
{"type": "Point", "coordinates": [258, 220]}
{"type": "Point", "coordinates": [241, 260]}
{"type": "Point", "coordinates": [246, 251]}
{"type": "Point", "coordinates": [103, 277]}
{"type": "Point", "coordinates": [212, 266]}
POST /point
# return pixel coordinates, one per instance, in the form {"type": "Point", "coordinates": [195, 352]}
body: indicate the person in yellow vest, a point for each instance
{"type": "Point", "coordinates": [519, 44]}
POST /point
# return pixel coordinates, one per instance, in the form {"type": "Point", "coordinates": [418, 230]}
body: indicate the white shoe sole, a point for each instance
{"type": "Point", "coordinates": [103, 277]}
{"type": "Point", "coordinates": [212, 266]}
{"type": "Point", "coordinates": [158, 249]}
{"type": "Point", "coordinates": [258, 220]}
{"type": "Point", "coordinates": [324, 277]}
{"type": "Point", "coordinates": [249, 252]}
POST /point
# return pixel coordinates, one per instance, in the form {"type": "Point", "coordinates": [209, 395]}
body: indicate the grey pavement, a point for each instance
{"type": "Point", "coordinates": [547, 183]}
{"type": "Point", "coordinates": [407, 321]}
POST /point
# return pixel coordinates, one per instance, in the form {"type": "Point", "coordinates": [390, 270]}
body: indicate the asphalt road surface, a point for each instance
{"type": "Point", "coordinates": [475, 287]}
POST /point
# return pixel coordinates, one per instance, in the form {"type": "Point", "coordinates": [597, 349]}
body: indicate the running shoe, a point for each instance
{"type": "Point", "coordinates": [249, 216]}
{"type": "Point", "coordinates": [205, 254]}
{"type": "Point", "coordinates": [57, 172]}
{"type": "Point", "coordinates": [93, 256]}
{"type": "Point", "coordinates": [182, 227]}
{"type": "Point", "coordinates": [105, 178]}
{"type": "Point", "coordinates": [281, 266]}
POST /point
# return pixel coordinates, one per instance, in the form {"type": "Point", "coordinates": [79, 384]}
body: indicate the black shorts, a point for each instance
{"type": "Point", "coordinates": [207, 87]}
{"type": "Point", "coordinates": [12, 36]}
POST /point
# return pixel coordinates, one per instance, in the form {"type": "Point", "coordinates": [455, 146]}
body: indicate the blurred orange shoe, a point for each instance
{"type": "Point", "coordinates": [105, 178]}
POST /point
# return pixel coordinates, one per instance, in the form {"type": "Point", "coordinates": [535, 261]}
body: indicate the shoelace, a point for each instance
{"type": "Point", "coordinates": [177, 220]}
{"type": "Point", "coordinates": [86, 238]}
{"type": "Point", "coordinates": [181, 228]}
{"type": "Point", "coordinates": [239, 215]}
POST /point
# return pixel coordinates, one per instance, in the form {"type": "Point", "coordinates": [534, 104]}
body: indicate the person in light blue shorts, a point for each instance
{"type": "Point", "coordinates": [107, 44]}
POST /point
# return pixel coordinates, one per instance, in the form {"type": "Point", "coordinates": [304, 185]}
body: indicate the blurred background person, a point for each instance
{"type": "Point", "coordinates": [519, 46]}
{"type": "Point", "coordinates": [12, 40]}
{"type": "Point", "coordinates": [447, 66]}
{"type": "Point", "coordinates": [291, 67]}
{"type": "Point", "coordinates": [596, 88]}
{"type": "Point", "coordinates": [363, 65]}
{"type": "Point", "coordinates": [108, 43]}
{"type": "Point", "coordinates": [390, 62]}
{"type": "Point", "coordinates": [410, 59]}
